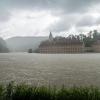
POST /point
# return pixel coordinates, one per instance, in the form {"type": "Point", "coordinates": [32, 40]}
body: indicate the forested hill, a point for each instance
{"type": "Point", "coordinates": [3, 46]}
{"type": "Point", "coordinates": [22, 44]}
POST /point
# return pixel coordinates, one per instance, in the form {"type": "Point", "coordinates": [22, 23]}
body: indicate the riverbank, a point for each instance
{"type": "Point", "coordinates": [27, 92]}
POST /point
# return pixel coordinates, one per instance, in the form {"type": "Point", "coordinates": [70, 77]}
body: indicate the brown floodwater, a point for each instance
{"type": "Point", "coordinates": [50, 69]}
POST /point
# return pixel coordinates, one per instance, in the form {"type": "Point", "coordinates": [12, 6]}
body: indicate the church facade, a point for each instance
{"type": "Point", "coordinates": [62, 49]}
{"type": "Point", "coordinates": [61, 45]}
{"type": "Point", "coordinates": [67, 45]}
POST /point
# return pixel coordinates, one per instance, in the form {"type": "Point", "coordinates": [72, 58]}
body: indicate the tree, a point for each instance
{"type": "Point", "coordinates": [82, 36]}
{"type": "Point", "coordinates": [90, 34]}
{"type": "Point", "coordinates": [95, 34]}
{"type": "Point", "coordinates": [88, 41]}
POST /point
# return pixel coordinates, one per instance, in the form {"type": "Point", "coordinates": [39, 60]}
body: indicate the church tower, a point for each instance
{"type": "Point", "coordinates": [50, 37]}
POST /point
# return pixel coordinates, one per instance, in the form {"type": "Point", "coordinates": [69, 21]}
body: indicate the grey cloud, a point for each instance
{"type": "Point", "coordinates": [55, 6]}
{"type": "Point", "coordinates": [59, 27]}
{"type": "Point", "coordinates": [4, 15]}
{"type": "Point", "coordinates": [86, 20]}
{"type": "Point", "coordinates": [65, 23]}
{"type": "Point", "coordinates": [79, 21]}
{"type": "Point", "coordinates": [98, 21]}
{"type": "Point", "coordinates": [65, 9]}
{"type": "Point", "coordinates": [64, 5]}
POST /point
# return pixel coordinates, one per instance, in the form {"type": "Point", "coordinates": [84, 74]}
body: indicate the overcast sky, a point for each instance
{"type": "Point", "coordinates": [39, 17]}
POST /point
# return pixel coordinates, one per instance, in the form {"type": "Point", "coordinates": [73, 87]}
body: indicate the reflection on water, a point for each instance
{"type": "Point", "coordinates": [53, 69]}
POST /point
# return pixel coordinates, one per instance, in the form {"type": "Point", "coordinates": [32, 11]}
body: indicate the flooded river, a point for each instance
{"type": "Point", "coordinates": [50, 69]}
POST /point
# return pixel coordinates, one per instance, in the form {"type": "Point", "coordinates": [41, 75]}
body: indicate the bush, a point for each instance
{"type": "Point", "coordinates": [26, 92]}
{"type": "Point", "coordinates": [1, 92]}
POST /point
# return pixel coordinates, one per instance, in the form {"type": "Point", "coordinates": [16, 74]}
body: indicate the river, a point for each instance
{"type": "Point", "coordinates": [50, 69]}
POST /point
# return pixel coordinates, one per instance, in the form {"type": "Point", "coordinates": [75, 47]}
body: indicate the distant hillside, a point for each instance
{"type": "Point", "coordinates": [3, 46]}
{"type": "Point", "coordinates": [22, 44]}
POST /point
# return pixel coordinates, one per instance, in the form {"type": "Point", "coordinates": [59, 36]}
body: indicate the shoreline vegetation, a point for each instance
{"type": "Point", "coordinates": [26, 92]}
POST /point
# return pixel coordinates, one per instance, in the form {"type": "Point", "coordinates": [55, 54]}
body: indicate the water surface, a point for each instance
{"type": "Point", "coordinates": [53, 69]}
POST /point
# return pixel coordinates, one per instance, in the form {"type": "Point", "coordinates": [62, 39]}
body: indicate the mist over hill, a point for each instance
{"type": "Point", "coordinates": [3, 46]}
{"type": "Point", "coordinates": [22, 44]}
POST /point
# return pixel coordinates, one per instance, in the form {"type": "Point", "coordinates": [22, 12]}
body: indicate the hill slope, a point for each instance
{"type": "Point", "coordinates": [22, 44]}
{"type": "Point", "coordinates": [3, 46]}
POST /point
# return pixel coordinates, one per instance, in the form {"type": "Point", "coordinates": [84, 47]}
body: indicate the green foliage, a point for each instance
{"type": "Point", "coordinates": [88, 41]}
{"type": "Point", "coordinates": [92, 37]}
{"type": "Point", "coordinates": [9, 91]}
{"type": "Point", "coordinates": [1, 92]}
{"type": "Point", "coordinates": [26, 92]}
